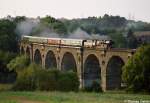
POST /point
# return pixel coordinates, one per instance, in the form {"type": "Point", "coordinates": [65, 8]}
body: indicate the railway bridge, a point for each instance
{"type": "Point", "coordinates": [103, 65]}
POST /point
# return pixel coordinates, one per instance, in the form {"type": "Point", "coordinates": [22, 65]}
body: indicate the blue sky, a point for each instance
{"type": "Point", "coordinates": [133, 9]}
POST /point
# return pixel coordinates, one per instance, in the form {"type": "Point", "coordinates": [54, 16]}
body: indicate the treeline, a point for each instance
{"type": "Point", "coordinates": [118, 28]}
{"type": "Point", "coordinates": [106, 24]}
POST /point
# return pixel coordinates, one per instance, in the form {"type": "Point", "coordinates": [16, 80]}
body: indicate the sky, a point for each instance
{"type": "Point", "coordinates": [131, 9]}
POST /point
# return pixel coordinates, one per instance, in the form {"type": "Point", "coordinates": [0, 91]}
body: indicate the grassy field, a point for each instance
{"type": "Point", "coordinates": [70, 97]}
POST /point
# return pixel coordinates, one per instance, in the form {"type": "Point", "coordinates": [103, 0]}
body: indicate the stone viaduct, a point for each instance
{"type": "Point", "coordinates": [91, 64]}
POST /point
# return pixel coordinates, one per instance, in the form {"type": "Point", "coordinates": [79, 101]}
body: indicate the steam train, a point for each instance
{"type": "Point", "coordinates": [88, 43]}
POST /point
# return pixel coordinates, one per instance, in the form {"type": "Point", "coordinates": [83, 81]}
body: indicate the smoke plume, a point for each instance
{"type": "Point", "coordinates": [27, 26]}
{"type": "Point", "coordinates": [79, 34]}
{"type": "Point", "coordinates": [36, 28]}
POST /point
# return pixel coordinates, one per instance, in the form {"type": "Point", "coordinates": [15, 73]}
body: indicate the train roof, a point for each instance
{"type": "Point", "coordinates": [94, 38]}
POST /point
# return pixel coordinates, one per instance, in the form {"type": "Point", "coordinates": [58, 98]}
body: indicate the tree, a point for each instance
{"type": "Point", "coordinates": [8, 37]}
{"type": "Point", "coordinates": [119, 39]}
{"type": "Point", "coordinates": [19, 19]}
{"type": "Point", "coordinates": [136, 72]}
{"type": "Point", "coordinates": [6, 76]}
{"type": "Point", "coordinates": [131, 40]}
{"type": "Point", "coordinates": [19, 63]}
{"type": "Point", "coordinates": [54, 24]}
{"type": "Point", "coordinates": [59, 28]}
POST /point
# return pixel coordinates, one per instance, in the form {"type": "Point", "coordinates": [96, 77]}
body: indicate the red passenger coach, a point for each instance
{"type": "Point", "coordinates": [54, 41]}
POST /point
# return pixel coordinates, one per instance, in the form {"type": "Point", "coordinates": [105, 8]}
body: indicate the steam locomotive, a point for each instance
{"type": "Point", "coordinates": [88, 43]}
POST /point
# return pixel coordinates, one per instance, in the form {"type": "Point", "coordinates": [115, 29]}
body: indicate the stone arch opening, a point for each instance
{"type": "Point", "coordinates": [113, 73]}
{"type": "Point", "coordinates": [22, 50]}
{"type": "Point", "coordinates": [68, 63]}
{"type": "Point", "coordinates": [37, 57]}
{"type": "Point", "coordinates": [50, 60]}
{"type": "Point", "coordinates": [28, 51]}
{"type": "Point", "coordinates": [92, 71]}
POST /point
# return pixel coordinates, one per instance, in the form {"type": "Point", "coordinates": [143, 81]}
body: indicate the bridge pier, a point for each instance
{"type": "Point", "coordinates": [80, 67]}
{"type": "Point", "coordinates": [103, 78]}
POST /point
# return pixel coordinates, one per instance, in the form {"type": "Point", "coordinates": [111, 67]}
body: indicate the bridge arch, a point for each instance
{"type": "Point", "coordinates": [92, 71]}
{"type": "Point", "coordinates": [114, 72]}
{"type": "Point", "coordinates": [50, 60]}
{"type": "Point", "coordinates": [68, 62]}
{"type": "Point", "coordinates": [37, 57]}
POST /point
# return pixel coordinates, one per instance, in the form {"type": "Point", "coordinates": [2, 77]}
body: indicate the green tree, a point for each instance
{"type": "Point", "coordinates": [68, 81]}
{"type": "Point", "coordinates": [54, 24]}
{"type": "Point", "coordinates": [34, 77]}
{"type": "Point", "coordinates": [19, 19]}
{"type": "Point", "coordinates": [136, 72]}
{"type": "Point", "coordinates": [19, 63]}
{"type": "Point", "coordinates": [131, 40]}
{"type": "Point", "coordinates": [119, 39]}
{"type": "Point", "coordinates": [8, 37]}
{"type": "Point", "coordinates": [27, 78]}
{"type": "Point", "coordinates": [6, 76]}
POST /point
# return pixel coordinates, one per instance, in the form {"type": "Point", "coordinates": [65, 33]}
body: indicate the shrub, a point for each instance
{"type": "Point", "coordinates": [36, 78]}
{"type": "Point", "coordinates": [24, 83]}
{"type": "Point", "coordinates": [55, 80]}
{"type": "Point", "coordinates": [6, 76]}
{"type": "Point", "coordinates": [68, 81]}
{"type": "Point", "coordinates": [19, 63]}
{"type": "Point", "coordinates": [95, 87]}
{"type": "Point", "coordinates": [47, 79]}
{"type": "Point", "coordinates": [26, 79]}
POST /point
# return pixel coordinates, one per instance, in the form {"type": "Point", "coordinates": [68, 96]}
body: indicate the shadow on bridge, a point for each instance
{"type": "Point", "coordinates": [113, 73]}
{"type": "Point", "coordinates": [92, 71]}
{"type": "Point", "coordinates": [50, 61]}
{"type": "Point", "coordinates": [37, 57]}
{"type": "Point", "coordinates": [68, 63]}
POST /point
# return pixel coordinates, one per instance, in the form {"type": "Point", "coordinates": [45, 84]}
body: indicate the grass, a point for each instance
{"type": "Point", "coordinates": [7, 96]}
{"type": "Point", "coordinates": [69, 97]}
